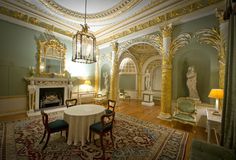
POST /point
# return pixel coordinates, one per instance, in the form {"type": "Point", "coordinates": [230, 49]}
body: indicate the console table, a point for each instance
{"type": "Point", "coordinates": [213, 122]}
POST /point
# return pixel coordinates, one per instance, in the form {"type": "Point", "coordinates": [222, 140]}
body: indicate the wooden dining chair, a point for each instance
{"type": "Point", "coordinates": [110, 106]}
{"type": "Point", "coordinates": [71, 102]}
{"type": "Point", "coordinates": [52, 127]}
{"type": "Point", "coordinates": [103, 127]}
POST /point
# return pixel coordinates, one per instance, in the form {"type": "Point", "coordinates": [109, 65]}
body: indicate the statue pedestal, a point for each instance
{"type": "Point", "coordinates": [148, 98]}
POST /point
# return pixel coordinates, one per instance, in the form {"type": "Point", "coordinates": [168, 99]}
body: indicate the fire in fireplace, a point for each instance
{"type": "Point", "coordinates": [51, 97]}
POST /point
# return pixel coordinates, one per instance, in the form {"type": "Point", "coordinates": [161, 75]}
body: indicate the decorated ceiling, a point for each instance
{"type": "Point", "coordinates": [109, 20]}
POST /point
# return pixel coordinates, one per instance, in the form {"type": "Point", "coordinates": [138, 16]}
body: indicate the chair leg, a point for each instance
{"type": "Point", "coordinates": [66, 134]}
{"type": "Point", "coordinates": [45, 145]}
{"type": "Point", "coordinates": [112, 138]}
{"type": "Point", "coordinates": [103, 150]}
{"type": "Point", "coordinates": [44, 134]}
{"type": "Point", "coordinates": [90, 135]}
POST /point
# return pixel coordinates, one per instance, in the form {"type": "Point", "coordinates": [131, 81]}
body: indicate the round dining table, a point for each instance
{"type": "Point", "coordinates": [79, 118]}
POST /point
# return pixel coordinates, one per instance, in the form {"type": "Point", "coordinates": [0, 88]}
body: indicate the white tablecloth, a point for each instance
{"type": "Point", "coordinates": [80, 118]}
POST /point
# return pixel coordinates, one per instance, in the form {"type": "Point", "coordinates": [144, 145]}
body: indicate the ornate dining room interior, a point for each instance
{"type": "Point", "coordinates": [143, 54]}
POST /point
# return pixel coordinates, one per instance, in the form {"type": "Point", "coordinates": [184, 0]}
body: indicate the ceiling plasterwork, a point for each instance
{"type": "Point", "coordinates": [121, 18]}
{"type": "Point", "coordinates": [142, 51]}
{"type": "Point", "coordinates": [112, 12]}
{"type": "Point", "coordinates": [161, 18]}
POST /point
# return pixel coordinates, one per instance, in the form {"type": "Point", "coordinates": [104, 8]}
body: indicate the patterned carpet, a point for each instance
{"type": "Point", "coordinates": [133, 139]}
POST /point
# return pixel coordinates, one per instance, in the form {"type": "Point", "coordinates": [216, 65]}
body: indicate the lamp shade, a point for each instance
{"type": "Point", "coordinates": [87, 82]}
{"type": "Point", "coordinates": [216, 93]}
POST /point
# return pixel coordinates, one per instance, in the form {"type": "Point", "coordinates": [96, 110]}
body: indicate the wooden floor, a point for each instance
{"type": "Point", "coordinates": [146, 113]}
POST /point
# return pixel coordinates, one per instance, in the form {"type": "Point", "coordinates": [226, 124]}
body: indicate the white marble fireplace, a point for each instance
{"type": "Point", "coordinates": [47, 92]}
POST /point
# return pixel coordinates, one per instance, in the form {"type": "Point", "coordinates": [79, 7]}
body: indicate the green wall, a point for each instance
{"type": "Point", "coordinates": [127, 82]}
{"type": "Point", "coordinates": [18, 51]}
{"type": "Point", "coordinates": [203, 57]}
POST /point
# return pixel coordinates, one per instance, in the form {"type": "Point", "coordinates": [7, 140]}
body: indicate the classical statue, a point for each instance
{"type": "Point", "coordinates": [147, 81]}
{"type": "Point", "coordinates": [105, 75]}
{"type": "Point", "coordinates": [192, 82]}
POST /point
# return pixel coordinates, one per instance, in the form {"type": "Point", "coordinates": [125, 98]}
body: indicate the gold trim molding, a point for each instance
{"type": "Point", "coordinates": [213, 38]}
{"type": "Point", "coordinates": [162, 18]}
{"type": "Point", "coordinates": [33, 21]}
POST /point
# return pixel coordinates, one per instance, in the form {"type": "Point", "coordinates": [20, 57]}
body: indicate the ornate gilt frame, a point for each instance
{"type": "Point", "coordinates": [58, 52]}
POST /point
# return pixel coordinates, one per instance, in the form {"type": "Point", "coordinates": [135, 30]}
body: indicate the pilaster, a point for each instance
{"type": "Point", "coordinates": [166, 95]}
{"type": "Point", "coordinates": [223, 28]}
{"type": "Point", "coordinates": [114, 71]}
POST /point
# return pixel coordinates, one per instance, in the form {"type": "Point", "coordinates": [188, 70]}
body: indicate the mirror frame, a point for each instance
{"type": "Point", "coordinates": [58, 52]}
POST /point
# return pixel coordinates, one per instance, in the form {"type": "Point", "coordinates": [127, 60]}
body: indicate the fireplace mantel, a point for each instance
{"type": "Point", "coordinates": [48, 81]}
{"type": "Point", "coordinates": [35, 83]}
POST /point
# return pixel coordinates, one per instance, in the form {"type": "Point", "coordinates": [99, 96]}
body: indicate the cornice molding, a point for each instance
{"type": "Point", "coordinates": [116, 10]}
{"type": "Point", "coordinates": [33, 21]}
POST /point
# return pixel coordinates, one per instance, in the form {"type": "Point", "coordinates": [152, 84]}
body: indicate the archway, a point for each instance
{"type": "Point", "coordinates": [141, 49]}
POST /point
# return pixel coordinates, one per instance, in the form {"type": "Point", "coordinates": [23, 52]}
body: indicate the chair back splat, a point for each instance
{"type": "Point", "coordinates": [71, 102]}
{"type": "Point", "coordinates": [111, 104]}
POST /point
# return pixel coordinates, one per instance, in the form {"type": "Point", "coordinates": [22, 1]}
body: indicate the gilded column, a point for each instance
{"type": "Point", "coordinates": [223, 28]}
{"type": "Point", "coordinates": [166, 91]}
{"type": "Point", "coordinates": [139, 80]}
{"type": "Point", "coordinates": [114, 72]}
{"type": "Point", "coordinates": [96, 85]}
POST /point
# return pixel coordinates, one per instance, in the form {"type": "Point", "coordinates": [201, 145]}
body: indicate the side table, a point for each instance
{"type": "Point", "coordinates": [213, 122]}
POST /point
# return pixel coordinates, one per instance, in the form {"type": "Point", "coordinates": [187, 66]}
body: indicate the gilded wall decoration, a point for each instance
{"type": "Point", "coordinates": [213, 38]}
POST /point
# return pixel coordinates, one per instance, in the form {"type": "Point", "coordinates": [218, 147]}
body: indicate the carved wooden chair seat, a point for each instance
{"type": "Point", "coordinates": [52, 127]}
{"type": "Point", "coordinates": [102, 128]}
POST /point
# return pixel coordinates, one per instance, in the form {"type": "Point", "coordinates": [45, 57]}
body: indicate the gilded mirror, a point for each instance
{"type": "Point", "coordinates": [51, 58]}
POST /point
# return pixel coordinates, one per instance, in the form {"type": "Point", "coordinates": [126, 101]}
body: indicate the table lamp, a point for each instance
{"type": "Point", "coordinates": [87, 82]}
{"type": "Point", "coordinates": [217, 94]}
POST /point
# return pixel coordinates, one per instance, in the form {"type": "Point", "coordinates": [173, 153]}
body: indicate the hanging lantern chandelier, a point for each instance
{"type": "Point", "coordinates": [84, 44]}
